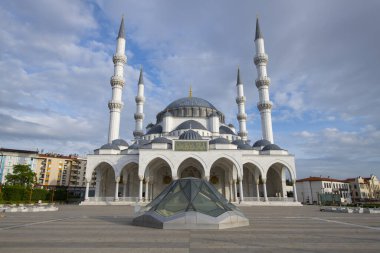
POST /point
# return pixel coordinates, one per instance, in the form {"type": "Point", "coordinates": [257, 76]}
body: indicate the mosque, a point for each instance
{"type": "Point", "coordinates": [191, 139]}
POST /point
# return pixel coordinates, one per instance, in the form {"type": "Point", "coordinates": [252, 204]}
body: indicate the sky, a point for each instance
{"type": "Point", "coordinates": [324, 64]}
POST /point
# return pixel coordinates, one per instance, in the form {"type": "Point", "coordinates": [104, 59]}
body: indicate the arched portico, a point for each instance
{"type": "Point", "coordinates": [253, 186]}
{"type": "Point", "coordinates": [276, 178]}
{"type": "Point", "coordinates": [223, 176]}
{"type": "Point", "coordinates": [158, 175]}
{"type": "Point", "coordinates": [129, 179]}
{"type": "Point", "coordinates": [191, 167]}
{"type": "Point", "coordinates": [105, 181]}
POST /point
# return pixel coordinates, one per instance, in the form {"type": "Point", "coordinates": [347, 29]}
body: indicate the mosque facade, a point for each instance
{"type": "Point", "coordinates": [191, 139]}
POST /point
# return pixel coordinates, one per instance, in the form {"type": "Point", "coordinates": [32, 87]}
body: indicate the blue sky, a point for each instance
{"type": "Point", "coordinates": [56, 62]}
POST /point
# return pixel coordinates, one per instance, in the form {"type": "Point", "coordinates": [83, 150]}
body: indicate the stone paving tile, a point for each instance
{"type": "Point", "coordinates": [109, 229]}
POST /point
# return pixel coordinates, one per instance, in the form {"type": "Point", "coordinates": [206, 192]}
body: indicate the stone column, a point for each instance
{"type": "Point", "coordinates": [241, 189]}
{"type": "Point", "coordinates": [146, 189]}
{"type": "Point", "coordinates": [235, 190]}
{"type": "Point", "coordinates": [230, 188]}
{"type": "Point", "coordinates": [117, 189]}
{"type": "Point", "coordinates": [141, 188]}
{"type": "Point", "coordinates": [97, 186]}
{"type": "Point", "coordinates": [257, 181]}
{"type": "Point", "coordinates": [265, 189]}
{"type": "Point", "coordinates": [124, 189]}
{"type": "Point", "coordinates": [295, 191]}
{"type": "Point", "coordinates": [87, 190]}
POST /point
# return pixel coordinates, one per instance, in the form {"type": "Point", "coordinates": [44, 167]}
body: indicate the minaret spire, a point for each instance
{"type": "Point", "coordinates": [262, 83]}
{"type": "Point", "coordinates": [121, 29]}
{"type": "Point", "coordinates": [139, 115]}
{"type": "Point", "coordinates": [240, 101]}
{"type": "Point", "coordinates": [117, 82]}
{"type": "Point", "coordinates": [258, 31]}
{"type": "Point", "coordinates": [190, 92]}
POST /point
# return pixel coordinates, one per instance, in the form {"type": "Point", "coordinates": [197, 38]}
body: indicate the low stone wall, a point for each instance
{"type": "Point", "coordinates": [28, 208]}
{"type": "Point", "coordinates": [349, 209]}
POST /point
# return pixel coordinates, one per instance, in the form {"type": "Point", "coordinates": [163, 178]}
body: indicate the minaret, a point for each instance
{"type": "Point", "coordinates": [240, 101]}
{"type": "Point", "coordinates": [117, 82]}
{"type": "Point", "coordinates": [139, 115]}
{"type": "Point", "coordinates": [262, 83]}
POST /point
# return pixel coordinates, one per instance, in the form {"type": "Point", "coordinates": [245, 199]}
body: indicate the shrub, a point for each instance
{"type": "Point", "coordinates": [15, 193]}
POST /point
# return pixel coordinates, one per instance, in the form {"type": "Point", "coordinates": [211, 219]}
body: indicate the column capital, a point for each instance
{"type": "Point", "coordinates": [117, 179]}
{"type": "Point", "coordinates": [264, 180]}
{"type": "Point", "coordinates": [141, 178]}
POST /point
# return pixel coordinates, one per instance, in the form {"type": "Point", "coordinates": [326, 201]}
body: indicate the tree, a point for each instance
{"type": "Point", "coordinates": [22, 175]}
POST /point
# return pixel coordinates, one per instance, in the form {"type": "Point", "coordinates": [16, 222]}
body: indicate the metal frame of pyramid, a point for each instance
{"type": "Point", "coordinates": [190, 203]}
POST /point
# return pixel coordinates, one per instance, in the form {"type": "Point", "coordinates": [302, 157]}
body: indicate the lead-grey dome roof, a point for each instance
{"type": "Point", "coordinates": [190, 102]}
{"type": "Point", "coordinates": [138, 144]}
{"type": "Point", "coordinates": [190, 135]}
{"type": "Point", "coordinates": [190, 124]}
{"type": "Point", "coordinates": [261, 143]}
{"type": "Point", "coordinates": [271, 147]}
{"type": "Point", "coordinates": [241, 144]}
{"type": "Point", "coordinates": [226, 130]}
{"type": "Point", "coordinates": [219, 140]}
{"type": "Point", "coordinates": [110, 146]}
{"type": "Point", "coordinates": [120, 142]}
{"type": "Point", "coordinates": [157, 129]}
{"type": "Point", "coordinates": [162, 140]}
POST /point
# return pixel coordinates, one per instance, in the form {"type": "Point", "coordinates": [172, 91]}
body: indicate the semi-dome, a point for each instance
{"type": "Point", "coordinates": [226, 130]}
{"type": "Point", "coordinates": [219, 140]}
{"type": "Point", "coordinates": [261, 143]}
{"type": "Point", "coordinates": [120, 142]}
{"type": "Point", "coordinates": [161, 140]}
{"type": "Point", "coordinates": [110, 146]}
{"type": "Point", "coordinates": [190, 124]}
{"type": "Point", "coordinates": [157, 129]}
{"type": "Point", "coordinates": [190, 135]}
{"type": "Point", "coordinates": [271, 147]}
{"type": "Point", "coordinates": [189, 102]}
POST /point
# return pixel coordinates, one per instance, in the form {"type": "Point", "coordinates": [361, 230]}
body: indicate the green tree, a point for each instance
{"type": "Point", "coordinates": [22, 175]}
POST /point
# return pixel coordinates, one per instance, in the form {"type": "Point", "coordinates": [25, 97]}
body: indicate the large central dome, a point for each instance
{"type": "Point", "coordinates": [190, 107]}
{"type": "Point", "coordinates": [190, 102]}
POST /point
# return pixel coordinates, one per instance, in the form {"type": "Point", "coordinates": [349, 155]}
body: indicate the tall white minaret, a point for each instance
{"type": "Point", "coordinates": [240, 101]}
{"type": "Point", "coordinates": [262, 83]}
{"type": "Point", "coordinates": [117, 82]}
{"type": "Point", "coordinates": [139, 115]}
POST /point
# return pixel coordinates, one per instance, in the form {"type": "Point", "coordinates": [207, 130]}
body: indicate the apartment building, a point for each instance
{"type": "Point", "coordinates": [364, 188]}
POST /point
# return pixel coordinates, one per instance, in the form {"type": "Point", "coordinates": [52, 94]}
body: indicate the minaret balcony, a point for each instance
{"type": "Point", "coordinates": [115, 105]}
{"type": "Point", "coordinates": [139, 99]}
{"type": "Point", "coordinates": [262, 81]}
{"type": "Point", "coordinates": [117, 81]}
{"type": "Point", "coordinates": [261, 59]}
{"type": "Point", "coordinates": [265, 105]}
{"type": "Point", "coordinates": [138, 133]}
{"type": "Point", "coordinates": [119, 58]}
{"type": "Point", "coordinates": [139, 116]}
{"type": "Point", "coordinates": [240, 100]}
{"type": "Point", "coordinates": [243, 134]}
{"type": "Point", "coordinates": [241, 116]}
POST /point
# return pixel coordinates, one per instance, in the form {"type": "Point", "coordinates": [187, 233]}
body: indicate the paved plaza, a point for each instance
{"type": "Point", "coordinates": [108, 229]}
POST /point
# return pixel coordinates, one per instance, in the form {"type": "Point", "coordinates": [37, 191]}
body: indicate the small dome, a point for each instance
{"type": "Point", "coordinates": [225, 130]}
{"type": "Point", "coordinates": [162, 140]}
{"type": "Point", "coordinates": [261, 143]}
{"type": "Point", "coordinates": [230, 125]}
{"type": "Point", "coordinates": [190, 135]}
{"type": "Point", "coordinates": [241, 144]}
{"type": "Point", "coordinates": [271, 147]}
{"type": "Point", "coordinates": [138, 144]}
{"type": "Point", "coordinates": [157, 129]}
{"type": "Point", "coordinates": [190, 124]}
{"type": "Point", "coordinates": [110, 146]}
{"type": "Point", "coordinates": [219, 140]}
{"type": "Point", "coordinates": [120, 142]}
